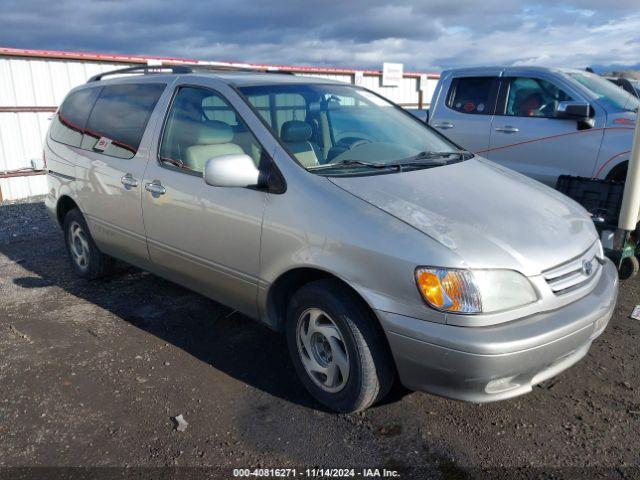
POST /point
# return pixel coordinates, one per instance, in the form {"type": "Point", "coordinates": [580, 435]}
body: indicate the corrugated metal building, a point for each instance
{"type": "Point", "coordinates": [34, 82]}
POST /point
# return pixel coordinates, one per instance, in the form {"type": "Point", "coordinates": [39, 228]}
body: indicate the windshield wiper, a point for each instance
{"type": "Point", "coordinates": [461, 154]}
{"type": "Point", "coordinates": [431, 159]}
{"type": "Point", "coordinates": [422, 159]}
{"type": "Point", "coordinates": [349, 162]}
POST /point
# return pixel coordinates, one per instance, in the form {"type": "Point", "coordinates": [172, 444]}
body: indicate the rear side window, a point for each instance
{"type": "Point", "coordinates": [119, 118]}
{"type": "Point", "coordinates": [472, 95]}
{"type": "Point", "coordinates": [68, 125]}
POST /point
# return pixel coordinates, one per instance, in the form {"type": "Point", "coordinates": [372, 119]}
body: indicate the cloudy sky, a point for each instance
{"type": "Point", "coordinates": [424, 35]}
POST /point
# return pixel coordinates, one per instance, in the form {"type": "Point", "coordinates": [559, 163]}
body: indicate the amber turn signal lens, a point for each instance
{"type": "Point", "coordinates": [431, 288]}
{"type": "Point", "coordinates": [450, 290]}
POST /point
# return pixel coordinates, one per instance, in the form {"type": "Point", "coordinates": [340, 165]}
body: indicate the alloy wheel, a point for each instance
{"type": "Point", "coordinates": [79, 246]}
{"type": "Point", "coordinates": [322, 350]}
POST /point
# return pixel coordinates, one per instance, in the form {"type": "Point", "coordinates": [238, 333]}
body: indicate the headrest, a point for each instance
{"type": "Point", "coordinates": [295, 131]}
{"type": "Point", "coordinates": [214, 132]}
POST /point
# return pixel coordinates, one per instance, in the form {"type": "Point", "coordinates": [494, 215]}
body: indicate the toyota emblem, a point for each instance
{"type": "Point", "coordinates": [587, 267]}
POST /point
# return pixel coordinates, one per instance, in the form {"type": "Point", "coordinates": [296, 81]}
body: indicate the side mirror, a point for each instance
{"type": "Point", "coordinates": [573, 110]}
{"type": "Point", "coordinates": [232, 170]}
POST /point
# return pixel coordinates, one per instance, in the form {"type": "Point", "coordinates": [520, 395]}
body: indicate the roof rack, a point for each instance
{"type": "Point", "coordinates": [142, 69]}
{"type": "Point", "coordinates": [221, 67]}
{"type": "Point", "coordinates": [147, 69]}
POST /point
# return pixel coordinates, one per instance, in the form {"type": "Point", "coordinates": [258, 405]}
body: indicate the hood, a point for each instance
{"type": "Point", "coordinates": [492, 217]}
{"type": "Point", "coordinates": [622, 119]}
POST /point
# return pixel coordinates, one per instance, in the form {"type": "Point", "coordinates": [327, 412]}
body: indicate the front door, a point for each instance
{"type": "Point", "coordinates": [526, 136]}
{"type": "Point", "coordinates": [206, 238]}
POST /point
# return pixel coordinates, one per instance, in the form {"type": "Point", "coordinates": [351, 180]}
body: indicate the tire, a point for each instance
{"type": "Point", "coordinates": [86, 258]}
{"type": "Point", "coordinates": [629, 267]}
{"type": "Point", "coordinates": [327, 325]}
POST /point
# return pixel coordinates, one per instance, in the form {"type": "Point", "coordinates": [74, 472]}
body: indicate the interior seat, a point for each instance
{"type": "Point", "coordinates": [297, 134]}
{"type": "Point", "coordinates": [212, 139]}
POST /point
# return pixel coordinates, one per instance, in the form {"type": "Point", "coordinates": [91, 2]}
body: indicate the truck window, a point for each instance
{"type": "Point", "coordinates": [533, 97]}
{"type": "Point", "coordinates": [472, 95]}
{"type": "Point", "coordinates": [119, 118]}
{"type": "Point", "coordinates": [605, 92]}
{"type": "Point", "coordinates": [68, 125]}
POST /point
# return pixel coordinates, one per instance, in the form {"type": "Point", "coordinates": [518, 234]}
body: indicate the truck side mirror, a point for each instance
{"type": "Point", "coordinates": [573, 109]}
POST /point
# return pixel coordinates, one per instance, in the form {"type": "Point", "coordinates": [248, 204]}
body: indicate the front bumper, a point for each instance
{"type": "Point", "coordinates": [485, 364]}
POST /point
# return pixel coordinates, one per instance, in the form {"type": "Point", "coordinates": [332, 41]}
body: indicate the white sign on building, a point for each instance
{"type": "Point", "coordinates": [392, 74]}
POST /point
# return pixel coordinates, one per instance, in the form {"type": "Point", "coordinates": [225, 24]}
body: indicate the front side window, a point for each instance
{"type": "Point", "coordinates": [472, 95]}
{"type": "Point", "coordinates": [119, 118]}
{"type": "Point", "coordinates": [201, 125]}
{"type": "Point", "coordinates": [533, 97]}
{"type": "Point", "coordinates": [345, 129]}
{"type": "Point", "coordinates": [68, 125]}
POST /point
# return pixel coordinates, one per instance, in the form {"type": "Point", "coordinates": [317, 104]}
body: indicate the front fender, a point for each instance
{"type": "Point", "coordinates": [371, 251]}
{"type": "Point", "coordinates": [615, 149]}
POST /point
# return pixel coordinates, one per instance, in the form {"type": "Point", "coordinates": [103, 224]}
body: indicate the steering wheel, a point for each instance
{"type": "Point", "coordinates": [354, 134]}
{"type": "Point", "coordinates": [352, 142]}
{"type": "Point", "coordinates": [344, 144]}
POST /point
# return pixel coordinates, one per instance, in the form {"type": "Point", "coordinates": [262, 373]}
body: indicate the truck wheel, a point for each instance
{"type": "Point", "coordinates": [87, 260]}
{"type": "Point", "coordinates": [338, 352]}
{"type": "Point", "coordinates": [629, 267]}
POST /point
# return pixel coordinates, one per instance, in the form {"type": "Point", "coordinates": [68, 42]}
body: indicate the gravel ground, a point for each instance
{"type": "Point", "coordinates": [91, 374]}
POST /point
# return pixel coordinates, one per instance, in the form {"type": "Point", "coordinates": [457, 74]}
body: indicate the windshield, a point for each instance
{"type": "Point", "coordinates": [345, 129]}
{"type": "Point", "coordinates": [608, 93]}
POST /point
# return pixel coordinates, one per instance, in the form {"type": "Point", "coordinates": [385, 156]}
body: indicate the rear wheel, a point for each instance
{"type": "Point", "coordinates": [338, 351]}
{"type": "Point", "coordinates": [86, 258]}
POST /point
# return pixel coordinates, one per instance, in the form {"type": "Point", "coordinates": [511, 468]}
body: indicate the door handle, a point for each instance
{"type": "Point", "coordinates": [443, 125]}
{"type": "Point", "coordinates": [128, 181]}
{"type": "Point", "coordinates": [155, 188]}
{"type": "Point", "coordinates": [507, 129]}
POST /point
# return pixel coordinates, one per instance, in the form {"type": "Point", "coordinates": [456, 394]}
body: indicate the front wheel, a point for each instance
{"type": "Point", "coordinates": [629, 267]}
{"type": "Point", "coordinates": [337, 349]}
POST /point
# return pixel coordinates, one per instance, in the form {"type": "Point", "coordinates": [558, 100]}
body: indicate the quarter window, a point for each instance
{"type": "Point", "coordinates": [68, 125]}
{"type": "Point", "coordinates": [201, 125]}
{"type": "Point", "coordinates": [472, 95]}
{"type": "Point", "coordinates": [119, 118]}
{"type": "Point", "coordinates": [533, 97]}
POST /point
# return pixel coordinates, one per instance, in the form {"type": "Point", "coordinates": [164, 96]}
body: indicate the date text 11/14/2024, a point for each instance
{"type": "Point", "coordinates": [316, 472]}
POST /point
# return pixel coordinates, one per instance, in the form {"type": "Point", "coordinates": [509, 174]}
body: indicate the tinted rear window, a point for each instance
{"type": "Point", "coordinates": [68, 125]}
{"type": "Point", "coordinates": [120, 115]}
{"type": "Point", "coordinates": [472, 95]}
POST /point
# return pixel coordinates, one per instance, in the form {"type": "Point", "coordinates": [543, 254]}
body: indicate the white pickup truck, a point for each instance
{"type": "Point", "coordinates": [543, 122]}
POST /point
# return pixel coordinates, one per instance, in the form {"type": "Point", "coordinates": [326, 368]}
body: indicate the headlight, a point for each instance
{"type": "Point", "coordinates": [474, 291]}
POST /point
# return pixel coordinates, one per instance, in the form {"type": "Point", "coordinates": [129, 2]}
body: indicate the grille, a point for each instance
{"type": "Point", "coordinates": [574, 273]}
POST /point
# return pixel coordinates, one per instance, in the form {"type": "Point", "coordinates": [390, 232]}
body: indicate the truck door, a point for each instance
{"type": "Point", "coordinates": [464, 108]}
{"type": "Point", "coordinates": [526, 136]}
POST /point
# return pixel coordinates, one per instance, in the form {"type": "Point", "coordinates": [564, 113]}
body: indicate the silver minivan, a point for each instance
{"type": "Point", "coordinates": [326, 212]}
